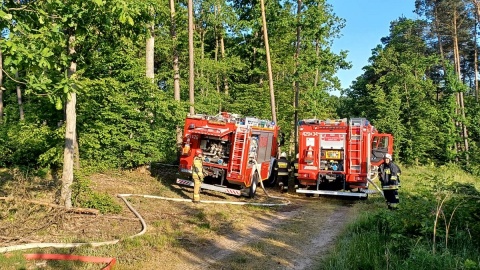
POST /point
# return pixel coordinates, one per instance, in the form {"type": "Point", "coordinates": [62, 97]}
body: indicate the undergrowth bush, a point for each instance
{"type": "Point", "coordinates": [436, 227]}
{"type": "Point", "coordinates": [84, 196]}
{"type": "Point", "coordinates": [28, 145]}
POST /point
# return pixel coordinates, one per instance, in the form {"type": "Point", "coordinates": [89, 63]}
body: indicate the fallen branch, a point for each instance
{"type": "Point", "coordinates": [71, 210]}
{"type": "Point", "coordinates": [16, 239]}
{"type": "Point", "coordinates": [117, 217]}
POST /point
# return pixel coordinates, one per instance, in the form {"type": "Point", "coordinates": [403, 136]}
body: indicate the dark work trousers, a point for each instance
{"type": "Point", "coordinates": [391, 194]}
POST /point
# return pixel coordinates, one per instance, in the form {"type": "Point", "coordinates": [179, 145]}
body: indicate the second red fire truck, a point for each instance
{"type": "Point", "coordinates": [336, 157]}
{"type": "Point", "coordinates": [239, 152]}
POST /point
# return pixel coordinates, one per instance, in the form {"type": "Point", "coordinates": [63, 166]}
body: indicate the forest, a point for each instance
{"type": "Point", "coordinates": [111, 90]}
{"type": "Point", "coordinates": [97, 85]}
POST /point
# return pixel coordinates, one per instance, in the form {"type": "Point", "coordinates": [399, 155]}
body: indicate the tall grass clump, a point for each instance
{"type": "Point", "coordinates": [436, 227]}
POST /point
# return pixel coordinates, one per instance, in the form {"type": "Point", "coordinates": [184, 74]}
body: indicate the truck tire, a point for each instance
{"type": "Point", "coordinates": [253, 186]}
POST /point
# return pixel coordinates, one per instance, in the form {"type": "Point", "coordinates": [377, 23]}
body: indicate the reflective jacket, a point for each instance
{"type": "Point", "coordinates": [282, 167]}
{"type": "Point", "coordinates": [388, 173]}
{"type": "Point", "coordinates": [294, 167]}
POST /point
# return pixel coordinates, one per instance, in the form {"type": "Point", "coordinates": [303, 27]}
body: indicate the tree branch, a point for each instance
{"type": "Point", "coordinates": [6, 73]}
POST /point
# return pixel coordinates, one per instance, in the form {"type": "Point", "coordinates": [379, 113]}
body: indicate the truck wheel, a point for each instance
{"type": "Point", "coordinates": [253, 186]}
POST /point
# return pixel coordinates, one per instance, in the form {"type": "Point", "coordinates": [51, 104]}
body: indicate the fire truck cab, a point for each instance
{"type": "Point", "coordinates": [337, 156]}
{"type": "Point", "coordinates": [239, 152]}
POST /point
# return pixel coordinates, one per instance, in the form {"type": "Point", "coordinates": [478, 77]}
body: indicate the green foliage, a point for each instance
{"type": "Point", "coordinates": [396, 94]}
{"type": "Point", "coordinates": [124, 120]}
{"type": "Point", "coordinates": [409, 238]}
{"type": "Point", "coordinates": [29, 145]}
{"type": "Point", "coordinates": [84, 196]}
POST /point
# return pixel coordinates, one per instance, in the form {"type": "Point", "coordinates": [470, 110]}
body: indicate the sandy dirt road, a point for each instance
{"type": "Point", "coordinates": [295, 237]}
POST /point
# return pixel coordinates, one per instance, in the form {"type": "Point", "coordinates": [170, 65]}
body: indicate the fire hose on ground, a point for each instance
{"type": "Point", "coordinates": [111, 261]}
{"type": "Point", "coordinates": [375, 185]}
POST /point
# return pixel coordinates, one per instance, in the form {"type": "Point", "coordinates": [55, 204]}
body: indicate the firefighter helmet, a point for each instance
{"type": "Point", "coordinates": [199, 152]}
{"type": "Point", "coordinates": [388, 156]}
{"type": "Point", "coordinates": [283, 154]}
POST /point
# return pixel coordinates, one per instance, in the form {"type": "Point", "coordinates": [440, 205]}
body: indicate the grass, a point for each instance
{"type": "Point", "coordinates": [436, 227]}
{"type": "Point", "coordinates": [179, 232]}
{"type": "Point", "coordinates": [13, 261]}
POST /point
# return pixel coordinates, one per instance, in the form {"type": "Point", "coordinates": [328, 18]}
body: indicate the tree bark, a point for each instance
{"type": "Point", "coordinates": [222, 49]}
{"type": "Point", "coordinates": [440, 44]}
{"type": "Point", "coordinates": [176, 73]}
{"type": "Point", "coordinates": [476, 3]}
{"type": "Point", "coordinates": [70, 134]}
{"type": "Point", "coordinates": [269, 63]}
{"type": "Point", "coordinates": [176, 69]}
{"type": "Point", "coordinates": [19, 99]}
{"type": "Point", "coordinates": [217, 77]}
{"type": "Point", "coordinates": [475, 62]}
{"type": "Point", "coordinates": [150, 51]}
{"type": "Point", "coordinates": [317, 70]}
{"type": "Point", "coordinates": [202, 58]}
{"type": "Point", "coordinates": [1, 86]}
{"type": "Point", "coordinates": [297, 83]}
{"type": "Point", "coordinates": [461, 111]}
{"type": "Point", "coordinates": [191, 73]}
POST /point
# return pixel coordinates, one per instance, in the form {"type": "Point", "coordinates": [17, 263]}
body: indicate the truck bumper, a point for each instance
{"type": "Point", "coordinates": [334, 193]}
{"type": "Point", "coordinates": [231, 191]}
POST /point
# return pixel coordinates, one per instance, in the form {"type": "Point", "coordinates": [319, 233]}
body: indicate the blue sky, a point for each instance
{"type": "Point", "coordinates": [367, 21]}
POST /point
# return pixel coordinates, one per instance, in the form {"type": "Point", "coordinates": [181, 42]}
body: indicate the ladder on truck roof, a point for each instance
{"type": "Point", "coordinates": [239, 149]}
{"type": "Point", "coordinates": [355, 145]}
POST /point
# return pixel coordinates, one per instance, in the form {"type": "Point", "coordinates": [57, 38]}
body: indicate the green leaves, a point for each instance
{"type": "Point", "coordinates": [58, 103]}
{"type": "Point", "coordinates": [5, 15]}
{"type": "Point", "coordinates": [124, 18]}
{"type": "Point", "coordinates": [98, 2]}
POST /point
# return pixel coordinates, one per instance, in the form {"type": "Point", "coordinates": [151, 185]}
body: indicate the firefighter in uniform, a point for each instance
{"type": "Point", "coordinates": [294, 168]}
{"type": "Point", "coordinates": [197, 174]}
{"type": "Point", "coordinates": [282, 170]}
{"type": "Point", "coordinates": [388, 173]}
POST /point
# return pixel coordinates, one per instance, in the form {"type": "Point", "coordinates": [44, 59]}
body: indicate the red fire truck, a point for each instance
{"type": "Point", "coordinates": [337, 156]}
{"type": "Point", "coordinates": [239, 152]}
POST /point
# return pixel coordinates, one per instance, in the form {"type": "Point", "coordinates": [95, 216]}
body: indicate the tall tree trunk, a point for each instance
{"type": "Point", "coordinates": [220, 40]}
{"type": "Point", "coordinates": [202, 58]}
{"type": "Point", "coordinates": [475, 61]}
{"type": "Point", "coordinates": [477, 19]}
{"type": "Point", "coordinates": [70, 134]}
{"type": "Point", "coordinates": [293, 132]}
{"type": "Point", "coordinates": [456, 51]}
{"type": "Point", "coordinates": [176, 70]}
{"type": "Point", "coordinates": [191, 73]}
{"type": "Point", "coordinates": [19, 99]}
{"type": "Point", "coordinates": [222, 49]}
{"type": "Point", "coordinates": [217, 46]}
{"type": "Point", "coordinates": [317, 55]}
{"type": "Point", "coordinates": [440, 43]}
{"type": "Point", "coordinates": [269, 63]}
{"type": "Point", "coordinates": [297, 84]}
{"type": "Point", "coordinates": [150, 51]}
{"type": "Point", "coordinates": [1, 86]}
{"type": "Point", "coordinates": [317, 70]}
